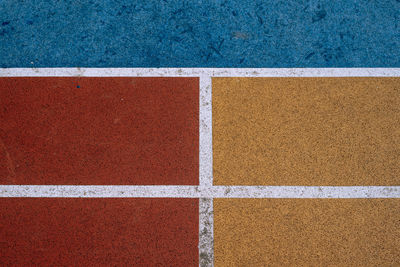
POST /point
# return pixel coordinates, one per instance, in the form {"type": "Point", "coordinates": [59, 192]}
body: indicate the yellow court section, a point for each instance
{"type": "Point", "coordinates": [307, 232]}
{"type": "Point", "coordinates": [306, 131]}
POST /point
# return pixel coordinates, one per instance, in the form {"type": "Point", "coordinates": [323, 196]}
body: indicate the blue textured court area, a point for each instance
{"type": "Point", "coordinates": [195, 33]}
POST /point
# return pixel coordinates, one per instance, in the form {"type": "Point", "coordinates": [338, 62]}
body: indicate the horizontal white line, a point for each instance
{"type": "Point", "coordinates": [117, 191]}
{"type": "Point", "coordinates": [195, 72]}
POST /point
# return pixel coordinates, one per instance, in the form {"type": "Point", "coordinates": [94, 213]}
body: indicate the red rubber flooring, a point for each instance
{"type": "Point", "coordinates": [98, 232]}
{"type": "Point", "coordinates": [99, 131]}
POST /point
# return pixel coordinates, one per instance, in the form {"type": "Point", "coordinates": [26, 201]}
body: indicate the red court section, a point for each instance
{"type": "Point", "coordinates": [119, 130]}
{"type": "Point", "coordinates": [98, 232]}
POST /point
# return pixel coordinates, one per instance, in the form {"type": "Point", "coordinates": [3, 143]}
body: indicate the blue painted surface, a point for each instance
{"type": "Point", "coordinates": [196, 33]}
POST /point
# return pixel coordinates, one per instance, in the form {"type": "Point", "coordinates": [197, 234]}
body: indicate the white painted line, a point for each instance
{"type": "Point", "coordinates": [206, 232]}
{"type": "Point", "coordinates": [197, 72]}
{"type": "Point", "coordinates": [98, 191]}
{"type": "Point", "coordinates": [149, 191]}
{"type": "Point", "coordinates": [206, 216]}
{"type": "Point", "coordinates": [205, 133]}
{"type": "Point", "coordinates": [305, 192]}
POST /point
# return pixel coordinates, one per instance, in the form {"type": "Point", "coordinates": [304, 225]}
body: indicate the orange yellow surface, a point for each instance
{"type": "Point", "coordinates": [306, 131]}
{"type": "Point", "coordinates": [307, 232]}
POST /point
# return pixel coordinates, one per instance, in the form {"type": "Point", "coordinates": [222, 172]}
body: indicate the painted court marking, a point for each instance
{"type": "Point", "coordinates": [187, 191]}
{"type": "Point", "coordinates": [206, 192]}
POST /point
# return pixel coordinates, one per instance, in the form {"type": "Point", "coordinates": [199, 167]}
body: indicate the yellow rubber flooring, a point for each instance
{"type": "Point", "coordinates": [307, 232]}
{"type": "Point", "coordinates": [306, 131]}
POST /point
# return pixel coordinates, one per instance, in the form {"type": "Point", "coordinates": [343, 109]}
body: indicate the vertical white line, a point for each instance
{"type": "Point", "coordinates": [205, 132]}
{"type": "Point", "coordinates": [206, 217]}
{"type": "Point", "coordinates": [206, 232]}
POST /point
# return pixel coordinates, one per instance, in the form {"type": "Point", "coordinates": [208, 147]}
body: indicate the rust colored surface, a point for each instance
{"type": "Point", "coordinates": [134, 131]}
{"type": "Point", "coordinates": [98, 232]}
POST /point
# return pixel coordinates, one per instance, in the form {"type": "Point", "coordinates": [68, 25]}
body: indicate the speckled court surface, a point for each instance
{"type": "Point", "coordinates": [188, 167]}
{"type": "Point", "coordinates": [199, 133]}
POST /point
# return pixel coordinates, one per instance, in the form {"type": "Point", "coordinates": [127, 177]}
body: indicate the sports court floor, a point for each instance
{"type": "Point", "coordinates": [189, 167]}
{"type": "Point", "coordinates": [200, 133]}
